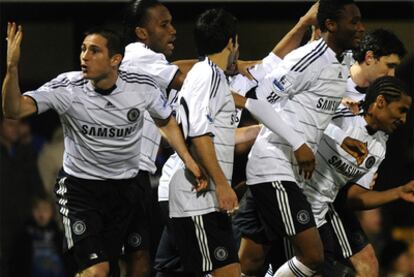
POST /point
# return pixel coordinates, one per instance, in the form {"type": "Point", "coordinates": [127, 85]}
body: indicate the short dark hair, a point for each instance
{"type": "Point", "coordinates": [136, 14]}
{"type": "Point", "coordinates": [213, 30]}
{"type": "Point", "coordinates": [330, 9]}
{"type": "Point", "coordinates": [380, 41]}
{"type": "Point", "coordinates": [389, 87]}
{"type": "Point", "coordinates": [114, 42]}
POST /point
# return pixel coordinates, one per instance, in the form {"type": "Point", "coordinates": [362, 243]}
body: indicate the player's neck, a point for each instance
{"type": "Point", "coordinates": [357, 75]}
{"type": "Point", "coordinates": [331, 42]}
{"type": "Point", "coordinates": [107, 82]}
{"type": "Point", "coordinates": [371, 122]}
{"type": "Point", "coordinates": [220, 59]}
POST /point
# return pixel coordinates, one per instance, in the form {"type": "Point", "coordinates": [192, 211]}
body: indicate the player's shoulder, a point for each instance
{"type": "Point", "coordinates": [68, 79]}
{"type": "Point", "coordinates": [310, 55]}
{"type": "Point", "coordinates": [137, 53]}
{"type": "Point", "coordinates": [204, 70]}
{"type": "Point", "coordinates": [134, 75]}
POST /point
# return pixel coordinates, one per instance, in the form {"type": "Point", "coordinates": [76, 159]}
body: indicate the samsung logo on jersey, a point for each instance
{"type": "Point", "coordinates": [327, 105]}
{"type": "Point", "coordinates": [108, 132]}
{"type": "Point", "coordinates": [343, 167]}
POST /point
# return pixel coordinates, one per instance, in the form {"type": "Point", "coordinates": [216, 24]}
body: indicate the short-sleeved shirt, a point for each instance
{"type": "Point", "coordinates": [206, 108]}
{"type": "Point", "coordinates": [155, 65]}
{"type": "Point", "coordinates": [240, 85]}
{"type": "Point", "coordinates": [307, 87]}
{"type": "Point", "coordinates": [102, 129]}
{"type": "Point", "coordinates": [335, 167]}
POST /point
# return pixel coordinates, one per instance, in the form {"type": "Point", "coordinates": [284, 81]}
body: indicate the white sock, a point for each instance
{"type": "Point", "coordinates": [245, 275]}
{"type": "Point", "coordinates": [294, 268]}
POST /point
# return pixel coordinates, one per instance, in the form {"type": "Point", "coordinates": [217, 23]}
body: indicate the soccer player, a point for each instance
{"type": "Point", "coordinates": [311, 81]}
{"type": "Point", "coordinates": [201, 227]}
{"type": "Point", "coordinates": [150, 35]}
{"type": "Point", "coordinates": [385, 108]}
{"type": "Point", "coordinates": [379, 53]}
{"type": "Point", "coordinates": [101, 110]}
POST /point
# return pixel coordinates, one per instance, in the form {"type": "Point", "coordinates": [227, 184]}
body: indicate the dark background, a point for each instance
{"type": "Point", "coordinates": [53, 33]}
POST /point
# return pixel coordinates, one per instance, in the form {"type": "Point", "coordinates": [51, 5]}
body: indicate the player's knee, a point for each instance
{"type": "Point", "coordinates": [251, 264]}
{"type": "Point", "coordinates": [139, 264]}
{"type": "Point", "coordinates": [366, 262]}
{"type": "Point", "coordinates": [98, 270]}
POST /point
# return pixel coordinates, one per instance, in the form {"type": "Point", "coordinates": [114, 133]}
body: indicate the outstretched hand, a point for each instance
{"type": "Point", "coordinates": [355, 148]}
{"type": "Point", "coordinates": [407, 192]}
{"type": "Point", "coordinates": [14, 39]}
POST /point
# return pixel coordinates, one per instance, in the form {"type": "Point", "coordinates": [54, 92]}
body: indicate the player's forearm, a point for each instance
{"type": "Point", "coordinates": [372, 199]}
{"type": "Point", "coordinates": [206, 154]}
{"type": "Point", "coordinates": [265, 113]}
{"type": "Point", "coordinates": [11, 94]}
{"type": "Point", "coordinates": [172, 133]}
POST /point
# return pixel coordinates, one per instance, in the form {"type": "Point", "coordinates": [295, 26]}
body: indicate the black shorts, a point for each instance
{"type": "Point", "coordinates": [96, 215]}
{"type": "Point", "coordinates": [347, 228]}
{"type": "Point", "coordinates": [282, 208]}
{"type": "Point", "coordinates": [138, 233]}
{"type": "Point", "coordinates": [205, 242]}
{"type": "Point", "coordinates": [167, 258]}
{"type": "Point", "coordinates": [247, 220]}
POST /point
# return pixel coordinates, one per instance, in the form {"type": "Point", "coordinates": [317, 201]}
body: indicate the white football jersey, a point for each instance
{"type": "Point", "coordinates": [307, 88]}
{"type": "Point", "coordinates": [155, 65]}
{"type": "Point", "coordinates": [239, 84]}
{"type": "Point", "coordinates": [335, 167]}
{"type": "Point", "coordinates": [103, 130]}
{"type": "Point", "coordinates": [206, 107]}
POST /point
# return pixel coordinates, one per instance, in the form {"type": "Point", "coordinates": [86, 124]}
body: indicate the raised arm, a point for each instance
{"type": "Point", "coordinates": [293, 38]}
{"type": "Point", "coordinates": [14, 104]}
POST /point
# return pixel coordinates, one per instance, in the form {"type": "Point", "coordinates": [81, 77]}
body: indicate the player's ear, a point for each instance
{"type": "Point", "coordinates": [331, 25]}
{"type": "Point", "coordinates": [141, 33]}
{"type": "Point", "coordinates": [369, 57]}
{"type": "Point", "coordinates": [380, 101]}
{"type": "Point", "coordinates": [116, 60]}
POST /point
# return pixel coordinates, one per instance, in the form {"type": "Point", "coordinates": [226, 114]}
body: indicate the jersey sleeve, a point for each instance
{"type": "Point", "coordinates": [157, 104]}
{"type": "Point", "coordinates": [285, 80]}
{"type": "Point", "coordinates": [55, 95]}
{"type": "Point", "coordinates": [365, 180]}
{"type": "Point", "coordinates": [158, 68]}
{"type": "Point", "coordinates": [194, 112]}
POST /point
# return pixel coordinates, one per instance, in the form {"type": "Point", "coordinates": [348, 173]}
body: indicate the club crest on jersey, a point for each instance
{"type": "Point", "coordinates": [370, 162]}
{"type": "Point", "coordinates": [221, 253]}
{"type": "Point", "coordinates": [133, 114]}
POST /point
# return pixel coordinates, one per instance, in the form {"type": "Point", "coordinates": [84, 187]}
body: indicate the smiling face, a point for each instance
{"type": "Point", "coordinates": [158, 33]}
{"type": "Point", "coordinates": [95, 61]}
{"type": "Point", "coordinates": [388, 116]}
{"type": "Point", "coordinates": [349, 28]}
